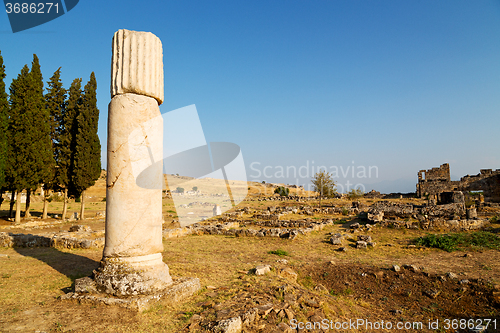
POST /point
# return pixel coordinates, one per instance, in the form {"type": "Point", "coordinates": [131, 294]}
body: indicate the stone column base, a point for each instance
{"type": "Point", "coordinates": [130, 276]}
{"type": "Point", "coordinates": [176, 292]}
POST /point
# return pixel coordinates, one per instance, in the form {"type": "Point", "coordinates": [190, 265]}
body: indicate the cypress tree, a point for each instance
{"type": "Point", "coordinates": [40, 154]}
{"type": "Point", "coordinates": [18, 167]}
{"type": "Point", "coordinates": [4, 108]}
{"type": "Point", "coordinates": [67, 141]}
{"type": "Point", "coordinates": [87, 159]}
{"type": "Point", "coordinates": [55, 103]}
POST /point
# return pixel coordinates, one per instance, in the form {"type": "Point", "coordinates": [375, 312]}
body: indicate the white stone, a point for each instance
{"type": "Point", "coordinates": [137, 64]}
{"type": "Point", "coordinates": [133, 212]}
{"type": "Point", "coordinates": [232, 325]}
{"type": "Point", "coordinates": [132, 261]}
{"type": "Point", "coordinates": [262, 269]}
{"type": "Point", "coordinates": [217, 210]}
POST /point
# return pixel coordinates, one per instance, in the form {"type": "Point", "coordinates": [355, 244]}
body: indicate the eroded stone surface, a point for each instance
{"type": "Point", "coordinates": [133, 204]}
{"type": "Point", "coordinates": [132, 275]}
{"type": "Point", "coordinates": [137, 64]}
{"type": "Point", "coordinates": [180, 289]}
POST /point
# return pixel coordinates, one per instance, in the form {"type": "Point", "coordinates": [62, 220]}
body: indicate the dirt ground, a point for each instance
{"type": "Point", "coordinates": [357, 284]}
{"type": "Point", "coordinates": [339, 287]}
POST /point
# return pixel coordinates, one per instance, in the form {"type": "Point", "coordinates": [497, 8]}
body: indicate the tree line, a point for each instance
{"type": "Point", "coordinates": [47, 139]}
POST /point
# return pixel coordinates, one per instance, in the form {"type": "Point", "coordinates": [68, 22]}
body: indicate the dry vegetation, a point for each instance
{"type": "Point", "coordinates": [358, 283]}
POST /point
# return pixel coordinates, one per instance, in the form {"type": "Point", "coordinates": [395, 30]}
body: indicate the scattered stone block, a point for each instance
{"type": "Point", "coordinates": [264, 310]}
{"type": "Point", "coordinates": [432, 293]}
{"type": "Point", "coordinates": [288, 274]}
{"type": "Point", "coordinates": [232, 325]}
{"type": "Point", "coordinates": [80, 228]}
{"type": "Point", "coordinates": [413, 268]}
{"type": "Point", "coordinates": [396, 268]}
{"type": "Point", "coordinates": [262, 269]}
{"type": "Point", "coordinates": [85, 285]}
{"type": "Point", "coordinates": [375, 216]}
{"type": "Point", "coordinates": [250, 316]}
{"type": "Point", "coordinates": [361, 245]}
{"type": "Point", "coordinates": [364, 238]}
{"type": "Point", "coordinates": [336, 240]}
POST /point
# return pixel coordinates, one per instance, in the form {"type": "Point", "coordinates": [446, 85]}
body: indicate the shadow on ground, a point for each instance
{"type": "Point", "coordinates": [72, 265]}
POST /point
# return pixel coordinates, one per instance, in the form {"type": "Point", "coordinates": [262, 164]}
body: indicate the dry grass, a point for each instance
{"type": "Point", "coordinates": [32, 279]}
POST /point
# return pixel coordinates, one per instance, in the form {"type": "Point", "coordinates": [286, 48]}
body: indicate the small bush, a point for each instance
{"type": "Point", "coordinates": [195, 188]}
{"type": "Point", "coordinates": [355, 194]}
{"type": "Point", "coordinates": [456, 241]}
{"type": "Point", "coordinates": [78, 199]}
{"type": "Point", "coordinates": [56, 198]}
{"type": "Point", "coordinates": [103, 199]}
{"type": "Point", "coordinates": [345, 211]}
{"type": "Point", "coordinates": [282, 191]}
{"type": "Point", "coordinates": [179, 190]}
{"type": "Point", "coordinates": [279, 252]}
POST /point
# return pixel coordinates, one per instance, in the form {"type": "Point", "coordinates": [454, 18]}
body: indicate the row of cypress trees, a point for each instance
{"type": "Point", "coordinates": [47, 139]}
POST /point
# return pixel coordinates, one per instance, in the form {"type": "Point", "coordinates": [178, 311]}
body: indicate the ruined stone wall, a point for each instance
{"type": "Point", "coordinates": [487, 181]}
{"type": "Point", "coordinates": [437, 180]}
{"type": "Point", "coordinates": [434, 181]}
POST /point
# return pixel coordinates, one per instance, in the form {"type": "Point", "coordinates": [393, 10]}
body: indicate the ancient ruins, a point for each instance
{"type": "Point", "coordinates": [435, 181]}
{"type": "Point", "coordinates": [132, 262]}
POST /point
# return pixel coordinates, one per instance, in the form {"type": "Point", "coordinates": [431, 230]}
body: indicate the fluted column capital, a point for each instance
{"type": "Point", "coordinates": [137, 64]}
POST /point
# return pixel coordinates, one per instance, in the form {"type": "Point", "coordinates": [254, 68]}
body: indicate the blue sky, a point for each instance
{"type": "Point", "coordinates": [396, 85]}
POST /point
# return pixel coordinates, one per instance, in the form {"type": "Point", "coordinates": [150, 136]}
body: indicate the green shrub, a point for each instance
{"type": "Point", "coordinates": [78, 199]}
{"type": "Point", "coordinates": [457, 241]}
{"type": "Point", "coordinates": [195, 188]}
{"type": "Point", "coordinates": [282, 191]}
{"type": "Point", "coordinates": [56, 198]}
{"type": "Point", "coordinates": [179, 190]}
{"type": "Point", "coordinates": [355, 193]}
{"type": "Point", "coordinates": [103, 199]}
{"type": "Point", "coordinates": [279, 252]}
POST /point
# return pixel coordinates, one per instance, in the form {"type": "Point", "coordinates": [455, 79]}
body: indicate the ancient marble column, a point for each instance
{"type": "Point", "coordinates": [132, 258]}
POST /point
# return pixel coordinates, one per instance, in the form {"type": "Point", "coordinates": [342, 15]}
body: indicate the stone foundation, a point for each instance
{"type": "Point", "coordinates": [176, 292]}
{"type": "Point", "coordinates": [141, 275]}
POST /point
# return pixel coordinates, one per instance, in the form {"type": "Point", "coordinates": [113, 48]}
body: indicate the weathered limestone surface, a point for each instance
{"type": "Point", "coordinates": [132, 272]}
{"type": "Point", "coordinates": [137, 64]}
{"type": "Point", "coordinates": [133, 212]}
{"type": "Point", "coordinates": [132, 261]}
{"type": "Point", "coordinates": [181, 288]}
